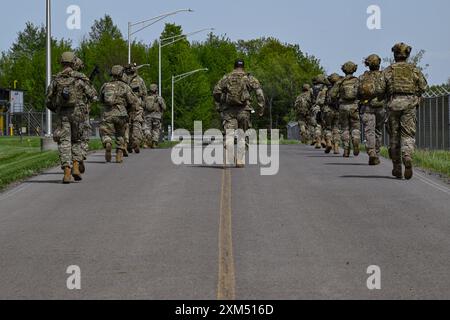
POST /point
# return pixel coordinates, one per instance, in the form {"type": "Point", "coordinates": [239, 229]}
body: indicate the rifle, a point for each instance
{"type": "Point", "coordinates": [94, 73]}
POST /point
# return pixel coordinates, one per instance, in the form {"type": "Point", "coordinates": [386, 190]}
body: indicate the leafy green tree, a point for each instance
{"type": "Point", "coordinates": [25, 63]}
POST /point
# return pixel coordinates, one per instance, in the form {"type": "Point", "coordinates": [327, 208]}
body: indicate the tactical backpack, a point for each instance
{"type": "Point", "coordinates": [66, 95]}
{"type": "Point", "coordinates": [109, 94]}
{"type": "Point", "coordinates": [152, 104]}
{"type": "Point", "coordinates": [236, 89]}
{"type": "Point", "coordinates": [403, 79]}
{"type": "Point", "coordinates": [368, 85]}
{"type": "Point", "coordinates": [349, 89]}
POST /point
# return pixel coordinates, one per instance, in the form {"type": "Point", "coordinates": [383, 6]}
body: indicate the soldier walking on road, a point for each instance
{"type": "Point", "coordinates": [331, 115]}
{"type": "Point", "coordinates": [405, 85]}
{"type": "Point", "coordinates": [347, 95]}
{"type": "Point", "coordinates": [154, 112]}
{"type": "Point", "coordinates": [137, 84]}
{"type": "Point", "coordinates": [117, 98]}
{"type": "Point", "coordinates": [372, 103]}
{"type": "Point", "coordinates": [85, 125]}
{"type": "Point", "coordinates": [68, 95]}
{"type": "Point", "coordinates": [302, 110]}
{"type": "Point", "coordinates": [320, 88]}
{"type": "Point", "coordinates": [233, 93]}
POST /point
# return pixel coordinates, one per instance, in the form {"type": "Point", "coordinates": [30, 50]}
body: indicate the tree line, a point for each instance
{"type": "Point", "coordinates": [282, 68]}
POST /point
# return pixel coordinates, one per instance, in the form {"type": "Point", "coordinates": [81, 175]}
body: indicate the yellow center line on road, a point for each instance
{"type": "Point", "coordinates": [227, 281]}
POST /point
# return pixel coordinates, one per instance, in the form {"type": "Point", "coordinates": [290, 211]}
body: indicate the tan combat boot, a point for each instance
{"type": "Point", "coordinates": [336, 148]}
{"type": "Point", "coordinates": [329, 146]}
{"type": "Point", "coordinates": [347, 153]}
{"type": "Point", "coordinates": [82, 167]}
{"type": "Point", "coordinates": [397, 171]}
{"type": "Point", "coordinates": [318, 143]}
{"type": "Point", "coordinates": [373, 158]}
{"type": "Point", "coordinates": [408, 168]}
{"type": "Point", "coordinates": [76, 174]}
{"type": "Point", "coordinates": [67, 175]}
{"type": "Point", "coordinates": [136, 148]}
{"type": "Point", "coordinates": [119, 156]}
{"type": "Point", "coordinates": [108, 153]}
{"type": "Point", "coordinates": [356, 148]}
{"type": "Point", "coordinates": [240, 164]}
{"type": "Point", "coordinates": [125, 153]}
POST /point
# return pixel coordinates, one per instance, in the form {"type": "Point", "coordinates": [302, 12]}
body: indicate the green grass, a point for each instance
{"type": "Point", "coordinates": [435, 161]}
{"type": "Point", "coordinates": [20, 159]}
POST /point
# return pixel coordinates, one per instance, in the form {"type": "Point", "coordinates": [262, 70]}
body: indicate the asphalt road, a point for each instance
{"type": "Point", "coordinates": [151, 230]}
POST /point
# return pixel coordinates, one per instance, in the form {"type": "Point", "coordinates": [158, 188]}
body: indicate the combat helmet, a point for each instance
{"type": "Point", "coordinates": [306, 87]}
{"type": "Point", "coordinates": [130, 68]}
{"type": "Point", "coordinates": [117, 71]}
{"type": "Point", "coordinates": [153, 88]}
{"type": "Point", "coordinates": [239, 64]}
{"type": "Point", "coordinates": [320, 79]}
{"type": "Point", "coordinates": [78, 64]}
{"type": "Point", "coordinates": [349, 67]}
{"type": "Point", "coordinates": [401, 51]}
{"type": "Point", "coordinates": [333, 78]}
{"type": "Point", "coordinates": [373, 62]}
{"type": "Point", "coordinates": [68, 58]}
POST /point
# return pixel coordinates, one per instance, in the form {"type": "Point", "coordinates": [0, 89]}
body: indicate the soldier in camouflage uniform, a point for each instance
{"type": "Point", "coordinates": [372, 102]}
{"type": "Point", "coordinates": [85, 128]}
{"type": "Point", "coordinates": [320, 88]}
{"type": "Point", "coordinates": [139, 88]}
{"type": "Point", "coordinates": [67, 95]}
{"type": "Point", "coordinates": [117, 99]}
{"type": "Point", "coordinates": [404, 85]}
{"type": "Point", "coordinates": [154, 112]}
{"type": "Point", "coordinates": [233, 93]}
{"type": "Point", "coordinates": [302, 110]}
{"type": "Point", "coordinates": [331, 117]}
{"type": "Point", "coordinates": [347, 95]}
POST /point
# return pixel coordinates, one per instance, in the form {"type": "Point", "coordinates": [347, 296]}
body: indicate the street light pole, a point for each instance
{"type": "Point", "coordinates": [170, 41]}
{"type": "Point", "coordinates": [49, 60]}
{"type": "Point", "coordinates": [175, 79]}
{"type": "Point", "coordinates": [147, 23]}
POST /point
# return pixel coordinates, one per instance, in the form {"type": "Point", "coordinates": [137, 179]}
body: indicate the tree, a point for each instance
{"type": "Point", "coordinates": [104, 27]}
{"type": "Point", "coordinates": [25, 63]}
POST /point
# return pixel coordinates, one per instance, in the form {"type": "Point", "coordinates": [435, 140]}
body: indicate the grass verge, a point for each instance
{"type": "Point", "coordinates": [22, 158]}
{"type": "Point", "coordinates": [435, 161]}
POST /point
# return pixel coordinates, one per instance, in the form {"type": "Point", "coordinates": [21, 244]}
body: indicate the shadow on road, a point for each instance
{"type": "Point", "coordinates": [45, 181]}
{"type": "Point", "coordinates": [207, 167]}
{"type": "Point", "coordinates": [367, 177]}
{"type": "Point", "coordinates": [346, 164]}
{"type": "Point", "coordinates": [326, 156]}
{"type": "Point", "coordinates": [95, 162]}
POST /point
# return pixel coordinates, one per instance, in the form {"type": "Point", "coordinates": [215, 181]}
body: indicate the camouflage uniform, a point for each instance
{"type": "Point", "coordinates": [349, 110]}
{"type": "Point", "coordinates": [67, 95]}
{"type": "Point", "coordinates": [117, 98]}
{"type": "Point", "coordinates": [319, 103]}
{"type": "Point", "coordinates": [372, 99]}
{"type": "Point", "coordinates": [135, 133]}
{"type": "Point", "coordinates": [236, 106]}
{"type": "Point", "coordinates": [331, 117]}
{"type": "Point", "coordinates": [302, 110]}
{"type": "Point", "coordinates": [405, 85]}
{"type": "Point", "coordinates": [154, 111]}
{"type": "Point", "coordinates": [85, 125]}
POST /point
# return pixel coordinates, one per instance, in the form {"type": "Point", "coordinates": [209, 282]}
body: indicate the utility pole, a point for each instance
{"type": "Point", "coordinates": [49, 61]}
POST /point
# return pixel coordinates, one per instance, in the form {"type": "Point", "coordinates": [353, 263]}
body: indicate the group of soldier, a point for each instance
{"type": "Point", "coordinates": [132, 117]}
{"type": "Point", "coordinates": [330, 113]}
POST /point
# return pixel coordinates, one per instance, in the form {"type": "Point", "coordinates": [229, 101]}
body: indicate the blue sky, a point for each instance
{"type": "Point", "coordinates": [333, 31]}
